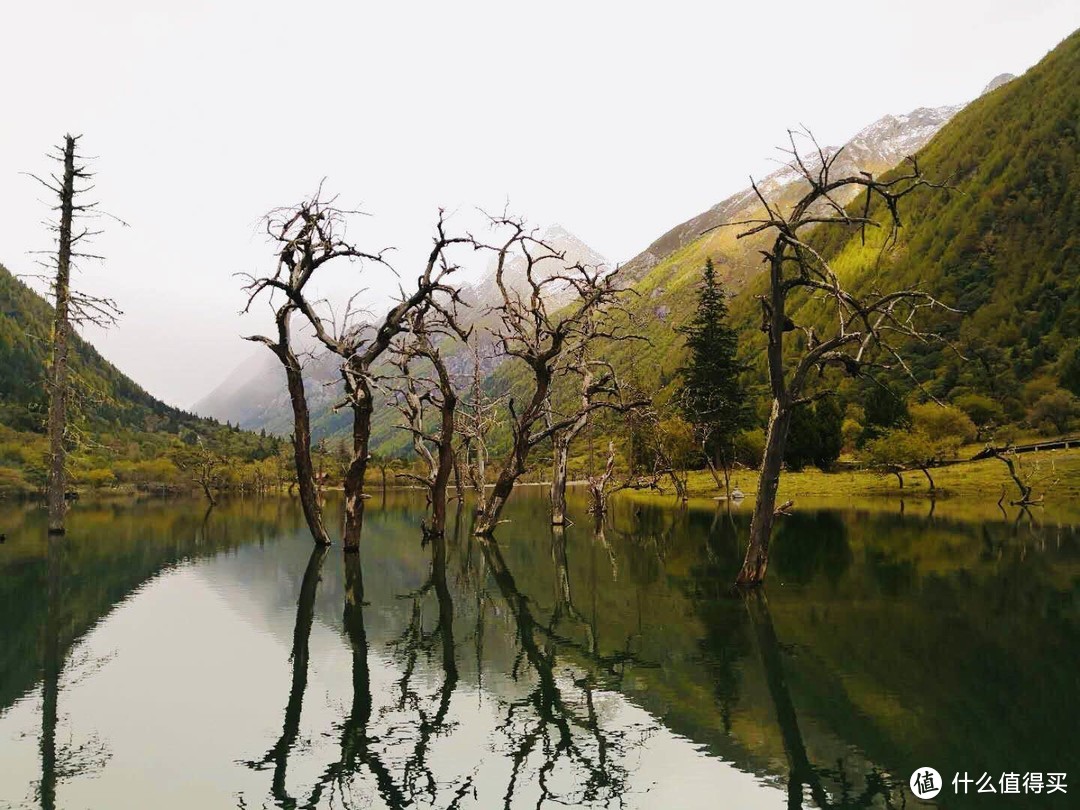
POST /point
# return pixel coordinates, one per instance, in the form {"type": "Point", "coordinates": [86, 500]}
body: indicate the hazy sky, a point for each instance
{"type": "Point", "coordinates": [614, 121]}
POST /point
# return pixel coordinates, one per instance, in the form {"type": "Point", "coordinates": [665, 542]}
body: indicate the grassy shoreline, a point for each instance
{"type": "Point", "coordinates": [970, 489]}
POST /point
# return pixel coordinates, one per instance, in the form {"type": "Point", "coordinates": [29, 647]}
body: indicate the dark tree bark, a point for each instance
{"type": "Point", "coordinates": [301, 436]}
{"type": "Point", "coordinates": [864, 323]}
{"type": "Point", "coordinates": [61, 333]}
{"type": "Point", "coordinates": [546, 343]}
{"type": "Point", "coordinates": [311, 233]}
{"type": "Point", "coordinates": [305, 616]}
{"type": "Point", "coordinates": [413, 394]}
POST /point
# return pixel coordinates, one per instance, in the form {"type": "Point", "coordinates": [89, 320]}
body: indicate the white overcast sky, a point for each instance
{"type": "Point", "coordinates": [616, 120]}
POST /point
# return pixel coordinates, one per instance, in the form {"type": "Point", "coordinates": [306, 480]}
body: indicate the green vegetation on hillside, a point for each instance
{"type": "Point", "coordinates": [1001, 244]}
{"type": "Point", "coordinates": [120, 434]}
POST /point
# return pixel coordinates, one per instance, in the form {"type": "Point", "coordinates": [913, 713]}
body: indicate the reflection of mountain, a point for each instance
{"type": "Point", "coordinates": [113, 552]}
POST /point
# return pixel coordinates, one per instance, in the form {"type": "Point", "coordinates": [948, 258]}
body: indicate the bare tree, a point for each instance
{"type": "Point", "coordinates": [542, 340]}
{"type": "Point", "coordinates": [1025, 480]}
{"type": "Point", "coordinates": [306, 238]}
{"type": "Point", "coordinates": [70, 307]}
{"type": "Point", "coordinates": [413, 393]}
{"type": "Point", "coordinates": [598, 387]}
{"type": "Point", "coordinates": [205, 468]}
{"type": "Point", "coordinates": [362, 346]}
{"type": "Point", "coordinates": [477, 416]}
{"type": "Point", "coordinates": [868, 328]}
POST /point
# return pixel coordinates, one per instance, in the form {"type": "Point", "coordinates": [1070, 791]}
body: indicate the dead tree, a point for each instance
{"type": "Point", "coordinates": [543, 340]}
{"type": "Point", "coordinates": [204, 467]}
{"type": "Point", "coordinates": [867, 327]}
{"type": "Point", "coordinates": [477, 416]}
{"type": "Point", "coordinates": [360, 347]}
{"type": "Point", "coordinates": [306, 239]}
{"type": "Point", "coordinates": [1025, 480]}
{"type": "Point", "coordinates": [413, 393]}
{"type": "Point", "coordinates": [69, 307]}
{"type": "Point", "coordinates": [599, 486]}
{"type": "Point", "coordinates": [598, 387]}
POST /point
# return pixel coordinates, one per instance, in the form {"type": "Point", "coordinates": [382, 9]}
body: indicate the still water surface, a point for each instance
{"type": "Point", "coordinates": [162, 657]}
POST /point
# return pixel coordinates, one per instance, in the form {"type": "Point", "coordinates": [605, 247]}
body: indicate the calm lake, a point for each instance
{"type": "Point", "coordinates": [162, 657]}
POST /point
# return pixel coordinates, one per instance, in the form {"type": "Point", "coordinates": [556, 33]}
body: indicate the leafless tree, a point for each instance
{"type": "Point", "coordinates": [476, 417]}
{"type": "Point", "coordinates": [306, 237]}
{"type": "Point", "coordinates": [413, 393]}
{"type": "Point", "coordinates": [598, 387]}
{"type": "Point", "coordinates": [528, 330]}
{"type": "Point", "coordinates": [869, 329]}
{"type": "Point", "coordinates": [361, 346]}
{"type": "Point", "coordinates": [205, 468]}
{"type": "Point", "coordinates": [1025, 480]}
{"type": "Point", "coordinates": [70, 307]}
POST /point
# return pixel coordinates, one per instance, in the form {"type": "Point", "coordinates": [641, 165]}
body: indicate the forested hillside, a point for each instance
{"type": "Point", "coordinates": [1000, 244]}
{"type": "Point", "coordinates": [120, 434]}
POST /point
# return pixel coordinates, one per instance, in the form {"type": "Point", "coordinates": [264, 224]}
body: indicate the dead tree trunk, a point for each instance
{"type": "Point", "coordinates": [58, 373]}
{"type": "Point", "coordinates": [70, 307]}
{"type": "Point", "coordinates": [549, 344]}
{"type": "Point", "coordinates": [475, 420]}
{"type": "Point", "coordinates": [362, 407]}
{"type": "Point", "coordinates": [559, 476]}
{"type": "Point", "coordinates": [926, 472]}
{"type": "Point", "coordinates": [862, 323]}
{"type": "Point", "coordinates": [301, 436]}
{"type": "Point", "coordinates": [757, 552]}
{"type": "Point", "coordinates": [413, 393]}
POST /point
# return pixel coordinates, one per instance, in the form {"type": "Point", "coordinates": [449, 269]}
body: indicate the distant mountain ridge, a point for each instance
{"type": "Point", "coordinates": [254, 395]}
{"type": "Point", "coordinates": [876, 148]}
{"type": "Point", "coordinates": [664, 275]}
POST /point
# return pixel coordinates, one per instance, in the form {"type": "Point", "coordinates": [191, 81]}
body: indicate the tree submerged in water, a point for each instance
{"type": "Point", "coordinates": [868, 328]}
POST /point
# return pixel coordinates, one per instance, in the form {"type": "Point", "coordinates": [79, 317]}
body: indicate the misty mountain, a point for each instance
{"type": "Point", "coordinates": [254, 395]}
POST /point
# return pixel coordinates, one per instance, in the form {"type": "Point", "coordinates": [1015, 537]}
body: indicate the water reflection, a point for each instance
{"type": "Point", "coordinates": [607, 663]}
{"type": "Point", "coordinates": [278, 755]}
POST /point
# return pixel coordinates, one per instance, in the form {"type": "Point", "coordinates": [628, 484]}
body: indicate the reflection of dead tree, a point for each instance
{"type": "Point", "coordinates": [50, 680]}
{"type": "Point", "coordinates": [542, 340]}
{"type": "Point", "coordinates": [305, 615]}
{"type": "Point", "coordinates": [800, 770]}
{"type": "Point", "coordinates": [59, 762]}
{"type": "Point", "coordinates": [357, 746]}
{"type": "Point", "coordinates": [545, 723]}
{"type": "Point", "coordinates": [1025, 480]}
{"type": "Point", "coordinates": [412, 393]}
{"type": "Point", "coordinates": [865, 326]}
{"type": "Point", "coordinates": [418, 780]}
{"type": "Point", "coordinates": [70, 307]}
{"type": "Point", "coordinates": [564, 600]}
{"type": "Point", "coordinates": [653, 528]}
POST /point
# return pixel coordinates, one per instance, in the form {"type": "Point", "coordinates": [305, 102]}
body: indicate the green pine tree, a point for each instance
{"type": "Point", "coordinates": [712, 396]}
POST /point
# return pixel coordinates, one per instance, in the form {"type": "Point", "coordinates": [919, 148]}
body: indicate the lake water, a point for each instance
{"type": "Point", "coordinates": [163, 657]}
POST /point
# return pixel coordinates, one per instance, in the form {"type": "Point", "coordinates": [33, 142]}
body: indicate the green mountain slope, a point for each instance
{"type": "Point", "coordinates": [121, 434]}
{"type": "Point", "coordinates": [25, 325]}
{"type": "Point", "coordinates": [1003, 245]}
